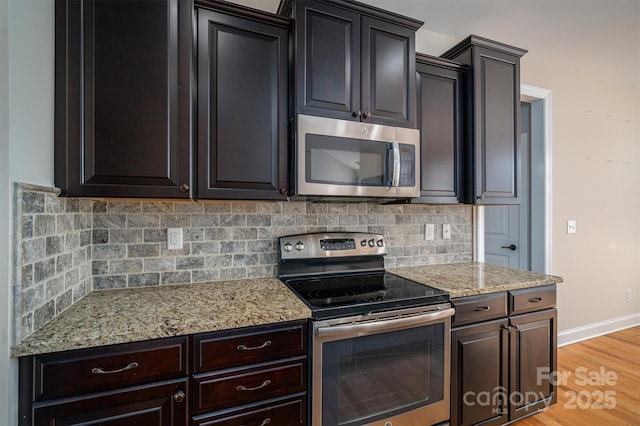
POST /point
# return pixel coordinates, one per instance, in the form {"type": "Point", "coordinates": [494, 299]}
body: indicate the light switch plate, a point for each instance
{"type": "Point", "coordinates": [571, 227]}
{"type": "Point", "coordinates": [429, 232]}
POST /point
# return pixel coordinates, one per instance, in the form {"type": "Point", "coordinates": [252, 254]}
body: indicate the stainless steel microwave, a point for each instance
{"type": "Point", "coordinates": [354, 159]}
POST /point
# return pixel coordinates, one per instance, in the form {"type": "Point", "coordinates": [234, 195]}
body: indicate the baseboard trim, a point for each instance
{"type": "Point", "coordinates": [590, 331]}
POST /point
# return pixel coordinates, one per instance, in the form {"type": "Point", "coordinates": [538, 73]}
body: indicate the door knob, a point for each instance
{"type": "Point", "coordinates": [511, 247]}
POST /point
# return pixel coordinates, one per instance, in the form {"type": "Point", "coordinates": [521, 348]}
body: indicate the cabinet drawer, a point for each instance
{"type": "Point", "coordinates": [229, 388]}
{"type": "Point", "coordinates": [532, 299]}
{"type": "Point", "coordinates": [285, 413]}
{"type": "Point", "coordinates": [214, 351]}
{"type": "Point", "coordinates": [479, 308]}
{"type": "Point", "coordinates": [92, 370]}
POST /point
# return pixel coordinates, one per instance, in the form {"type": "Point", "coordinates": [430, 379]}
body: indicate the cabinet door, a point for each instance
{"type": "Point", "coordinates": [161, 404]}
{"type": "Point", "coordinates": [388, 73]}
{"type": "Point", "coordinates": [479, 355]}
{"type": "Point", "coordinates": [328, 61]}
{"type": "Point", "coordinates": [122, 98]}
{"type": "Point", "coordinates": [533, 358]}
{"type": "Point", "coordinates": [440, 108]}
{"type": "Point", "coordinates": [242, 108]}
{"type": "Point", "coordinates": [497, 127]}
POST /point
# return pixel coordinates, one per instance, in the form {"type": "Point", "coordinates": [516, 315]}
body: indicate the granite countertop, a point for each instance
{"type": "Point", "coordinates": [127, 315]}
{"type": "Point", "coordinates": [470, 278]}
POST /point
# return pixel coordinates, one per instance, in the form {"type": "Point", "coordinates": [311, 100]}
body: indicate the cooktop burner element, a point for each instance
{"type": "Point", "coordinates": [336, 275]}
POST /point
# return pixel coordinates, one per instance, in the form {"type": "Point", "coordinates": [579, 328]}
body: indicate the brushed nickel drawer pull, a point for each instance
{"type": "Point", "coordinates": [264, 422]}
{"type": "Point", "coordinates": [99, 370]}
{"type": "Point", "coordinates": [535, 299]}
{"type": "Point", "coordinates": [481, 308]}
{"type": "Point", "coordinates": [244, 388]}
{"type": "Point", "coordinates": [247, 348]}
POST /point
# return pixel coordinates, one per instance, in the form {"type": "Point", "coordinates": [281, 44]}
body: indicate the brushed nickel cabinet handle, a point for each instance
{"type": "Point", "coordinates": [184, 187]}
{"type": "Point", "coordinates": [481, 308]}
{"type": "Point", "coordinates": [264, 422]}
{"type": "Point", "coordinates": [249, 348]}
{"type": "Point", "coordinates": [99, 370]}
{"type": "Point", "coordinates": [179, 396]}
{"type": "Point", "coordinates": [244, 388]}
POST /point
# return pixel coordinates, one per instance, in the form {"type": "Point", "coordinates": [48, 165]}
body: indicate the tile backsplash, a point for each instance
{"type": "Point", "coordinates": [71, 246]}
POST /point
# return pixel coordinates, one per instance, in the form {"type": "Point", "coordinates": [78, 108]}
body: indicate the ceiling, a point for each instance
{"type": "Point", "coordinates": [601, 37]}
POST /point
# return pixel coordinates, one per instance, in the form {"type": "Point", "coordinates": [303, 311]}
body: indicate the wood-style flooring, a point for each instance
{"type": "Point", "coordinates": [602, 385]}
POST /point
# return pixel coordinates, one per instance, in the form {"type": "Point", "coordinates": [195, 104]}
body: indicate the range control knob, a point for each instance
{"type": "Point", "coordinates": [299, 246]}
{"type": "Point", "coordinates": [363, 243]}
{"type": "Point", "coordinates": [372, 242]}
{"type": "Point", "coordinates": [288, 247]}
{"type": "Point", "coordinates": [380, 243]}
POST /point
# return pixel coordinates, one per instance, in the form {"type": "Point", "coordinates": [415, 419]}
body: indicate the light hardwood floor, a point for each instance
{"type": "Point", "coordinates": [618, 356]}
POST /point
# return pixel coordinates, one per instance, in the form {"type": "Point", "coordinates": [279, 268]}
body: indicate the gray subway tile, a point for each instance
{"type": "Point", "coordinates": [245, 233]}
{"type": "Point", "coordinates": [64, 223]}
{"type": "Point", "coordinates": [205, 220]}
{"type": "Point", "coordinates": [109, 221]}
{"type": "Point", "coordinates": [158, 207]}
{"type": "Point", "coordinates": [182, 277]}
{"type": "Point", "coordinates": [191, 262]}
{"type": "Point", "coordinates": [246, 259]}
{"type": "Point", "coordinates": [44, 269]}
{"type": "Point", "coordinates": [143, 250]}
{"type": "Point", "coordinates": [72, 205]}
{"type": "Point", "coordinates": [191, 207]}
{"type": "Point", "coordinates": [207, 247]}
{"type": "Point", "coordinates": [100, 236]}
{"type": "Point", "coordinates": [175, 221]}
{"type": "Point", "coordinates": [44, 314]}
{"type": "Point", "coordinates": [64, 262]}
{"type": "Point", "coordinates": [233, 220]}
{"type": "Point", "coordinates": [203, 276]}
{"type": "Point", "coordinates": [127, 266]}
{"type": "Point", "coordinates": [27, 275]}
{"type": "Point", "coordinates": [33, 202]}
{"type": "Point", "coordinates": [53, 245]}
{"type": "Point", "coordinates": [218, 261]}
{"type": "Point", "coordinates": [64, 301]}
{"type": "Point", "coordinates": [109, 251]}
{"type": "Point", "coordinates": [233, 246]}
{"type": "Point", "coordinates": [144, 280]}
{"type": "Point", "coordinates": [44, 225]}
{"type": "Point", "coordinates": [258, 220]}
{"type": "Point", "coordinates": [124, 207]}
{"type": "Point", "coordinates": [27, 226]}
{"type": "Point", "coordinates": [125, 236]}
{"type": "Point", "coordinates": [233, 273]}
{"type": "Point", "coordinates": [109, 282]}
{"type": "Point", "coordinates": [217, 207]}
{"type": "Point", "coordinates": [54, 287]}
{"type": "Point", "coordinates": [155, 235]}
{"type": "Point", "coordinates": [100, 267]}
{"type": "Point", "coordinates": [159, 264]}
{"type": "Point", "coordinates": [144, 220]}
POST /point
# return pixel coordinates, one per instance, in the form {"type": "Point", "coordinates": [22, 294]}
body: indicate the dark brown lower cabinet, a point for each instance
{"type": "Point", "coordinates": [533, 350]}
{"type": "Point", "coordinates": [501, 368]}
{"type": "Point", "coordinates": [162, 404]}
{"type": "Point", "coordinates": [479, 370]}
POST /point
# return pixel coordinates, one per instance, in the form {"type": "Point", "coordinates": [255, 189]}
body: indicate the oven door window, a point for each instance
{"type": "Point", "coordinates": [377, 376]}
{"type": "Point", "coordinates": [345, 161]}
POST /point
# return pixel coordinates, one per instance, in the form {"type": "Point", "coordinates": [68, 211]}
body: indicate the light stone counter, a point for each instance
{"type": "Point", "coordinates": [467, 279]}
{"type": "Point", "coordinates": [126, 315]}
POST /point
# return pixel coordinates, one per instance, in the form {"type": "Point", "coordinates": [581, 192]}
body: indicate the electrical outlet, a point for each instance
{"type": "Point", "coordinates": [174, 238]}
{"type": "Point", "coordinates": [571, 227]}
{"type": "Point", "coordinates": [446, 231]}
{"type": "Point", "coordinates": [628, 295]}
{"type": "Point", "coordinates": [429, 232]}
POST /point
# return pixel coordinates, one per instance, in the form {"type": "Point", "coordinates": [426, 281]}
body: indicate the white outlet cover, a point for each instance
{"type": "Point", "coordinates": [174, 238]}
{"type": "Point", "coordinates": [571, 227]}
{"type": "Point", "coordinates": [446, 231]}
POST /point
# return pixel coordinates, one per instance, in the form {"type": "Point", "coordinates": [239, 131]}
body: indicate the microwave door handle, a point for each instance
{"type": "Point", "coordinates": [395, 147]}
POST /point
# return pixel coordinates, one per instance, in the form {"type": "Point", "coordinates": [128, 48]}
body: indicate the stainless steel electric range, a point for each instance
{"type": "Point", "coordinates": [381, 343]}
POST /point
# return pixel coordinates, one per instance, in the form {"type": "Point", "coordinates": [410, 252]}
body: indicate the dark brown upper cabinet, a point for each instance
{"type": "Point", "coordinates": [440, 88]}
{"type": "Point", "coordinates": [242, 103]}
{"type": "Point", "coordinates": [123, 98]}
{"type": "Point", "coordinates": [355, 62]}
{"type": "Point", "coordinates": [492, 149]}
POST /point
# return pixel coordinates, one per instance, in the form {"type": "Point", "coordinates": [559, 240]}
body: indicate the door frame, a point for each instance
{"type": "Point", "coordinates": [528, 93]}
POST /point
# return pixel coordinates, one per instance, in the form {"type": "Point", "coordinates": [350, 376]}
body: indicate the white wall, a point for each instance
{"type": "Point", "coordinates": [7, 368]}
{"type": "Point", "coordinates": [596, 170]}
{"type": "Point", "coordinates": [26, 145]}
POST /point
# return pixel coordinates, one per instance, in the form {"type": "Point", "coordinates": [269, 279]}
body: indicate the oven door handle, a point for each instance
{"type": "Point", "coordinates": [384, 325]}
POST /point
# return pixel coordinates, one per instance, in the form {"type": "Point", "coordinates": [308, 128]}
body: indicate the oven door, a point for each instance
{"type": "Point", "coordinates": [344, 158]}
{"type": "Point", "coordinates": [391, 369]}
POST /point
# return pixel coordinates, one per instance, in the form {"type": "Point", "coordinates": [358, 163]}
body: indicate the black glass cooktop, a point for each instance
{"type": "Point", "coordinates": [358, 293]}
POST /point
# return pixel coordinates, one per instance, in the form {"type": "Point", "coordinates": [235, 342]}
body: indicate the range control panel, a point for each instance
{"type": "Point", "coordinates": [328, 244]}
